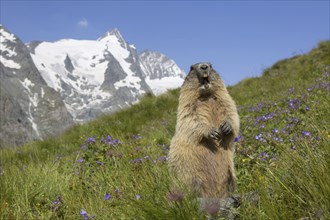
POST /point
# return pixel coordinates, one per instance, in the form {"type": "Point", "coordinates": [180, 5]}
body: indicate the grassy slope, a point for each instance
{"type": "Point", "coordinates": [283, 154]}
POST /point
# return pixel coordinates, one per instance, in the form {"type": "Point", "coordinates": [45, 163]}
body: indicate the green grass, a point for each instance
{"type": "Point", "coordinates": [283, 155]}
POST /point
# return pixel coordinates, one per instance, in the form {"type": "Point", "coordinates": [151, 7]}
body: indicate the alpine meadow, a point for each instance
{"type": "Point", "coordinates": [115, 167]}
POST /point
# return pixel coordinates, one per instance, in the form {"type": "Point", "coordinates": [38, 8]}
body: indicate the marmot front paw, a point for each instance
{"type": "Point", "coordinates": [224, 129]}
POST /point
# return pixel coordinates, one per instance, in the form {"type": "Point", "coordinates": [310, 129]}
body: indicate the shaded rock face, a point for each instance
{"type": "Point", "coordinates": [29, 108]}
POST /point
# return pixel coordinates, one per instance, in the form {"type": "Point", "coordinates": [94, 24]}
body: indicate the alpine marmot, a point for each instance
{"type": "Point", "coordinates": [202, 149]}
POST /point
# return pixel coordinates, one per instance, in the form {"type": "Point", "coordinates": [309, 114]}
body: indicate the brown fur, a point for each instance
{"type": "Point", "coordinates": [202, 162]}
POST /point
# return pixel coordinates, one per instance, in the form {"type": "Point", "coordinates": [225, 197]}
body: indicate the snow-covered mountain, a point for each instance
{"type": "Point", "coordinates": [162, 73]}
{"type": "Point", "coordinates": [93, 77]}
{"type": "Point", "coordinates": [29, 109]}
{"type": "Point", "coordinates": [102, 76]}
{"type": "Point", "coordinates": [67, 81]}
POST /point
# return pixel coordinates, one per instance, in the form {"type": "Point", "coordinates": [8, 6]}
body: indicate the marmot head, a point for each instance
{"type": "Point", "coordinates": [202, 77]}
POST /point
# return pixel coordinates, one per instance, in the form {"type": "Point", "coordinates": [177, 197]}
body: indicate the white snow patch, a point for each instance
{"type": "Point", "coordinates": [159, 86]}
{"type": "Point", "coordinates": [49, 59]}
{"type": "Point", "coordinates": [27, 83]}
{"type": "Point", "coordinates": [132, 46]}
{"type": "Point", "coordinates": [42, 92]}
{"type": "Point", "coordinates": [9, 63]}
{"type": "Point", "coordinates": [10, 53]}
{"type": "Point", "coordinates": [33, 103]}
{"type": "Point", "coordinates": [7, 37]}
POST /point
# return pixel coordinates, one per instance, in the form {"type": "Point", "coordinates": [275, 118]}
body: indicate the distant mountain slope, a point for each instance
{"type": "Point", "coordinates": [29, 108]}
{"type": "Point", "coordinates": [162, 73]}
{"type": "Point", "coordinates": [284, 74]}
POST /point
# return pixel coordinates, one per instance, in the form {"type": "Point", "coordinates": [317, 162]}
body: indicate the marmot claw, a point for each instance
{"type": "Point", "coordinates": [226, 128]}
{"type": "Point", "coordinates": [215, 134]}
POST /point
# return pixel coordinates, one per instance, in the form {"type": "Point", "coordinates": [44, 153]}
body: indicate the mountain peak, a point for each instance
{"type": "Point", "coordinates": [112, 32]}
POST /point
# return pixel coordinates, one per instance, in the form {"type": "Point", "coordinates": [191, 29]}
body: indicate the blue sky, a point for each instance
{"type": "Point", "coordinates": [240, 38]}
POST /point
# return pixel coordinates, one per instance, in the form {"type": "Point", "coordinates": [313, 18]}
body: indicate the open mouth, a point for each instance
{"type": "Point", "coordinates": [205, 82]}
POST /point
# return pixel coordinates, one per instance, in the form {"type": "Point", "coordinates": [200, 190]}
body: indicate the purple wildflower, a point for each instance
{"type": "Point", "coordinates": [83, 147]}
{"type": "Point", "coordinates": [114, 142]}
{"type": "Point", "coordinates": [278, 139]}
{"type": "Point", "coordinates": [258, 137]}
{"type": "Point", "coordinates": [107, 196]}
{"type": "Point", "coordinates": [307, 108]}
{"type": "Point", "coordinates": [165, 147]}
{"type": "Point", "coordinates": [305, 133]}
{"type": "Point", "coordinates": [274, 130]}
{"type": "Point", "coordinates": [292, 121]}
{"type": "Point", "coordinates": [265, 117]}
{"type": "Point", "coordinates": [324, 85]}
{"type": "Point", "coordinates": [138, 196]}
{"type": "Point", "coordinates": [57, 201]}
{"type": "Point", "coordinates": [264, 155]}
{"type": "Point", "coordinates": [137, 137]}
{"type": "Point", "coordinates": [108, 140]}
{"type": "Point", "coordinates": [84, 214]}
{"type": "Point", "coordinates": [90, 140]}
{"type": "Point", "coordinates": [293, 103]}
{"type": "Point", "coordinates": [137, 160]}
{"type": "Point", "coordinates": [99, 162]}
{"type": "Point", "coordinates": [317, 138]}
{"type": "Point", "coordinates": [260, 105]}
{"type": "Point", "coordinates": [80, 160]}
{"type": "Point", "coordinates": [237, 138]}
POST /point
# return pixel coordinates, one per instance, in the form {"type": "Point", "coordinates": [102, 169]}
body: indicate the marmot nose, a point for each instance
{"type": "Point", "coordinates": [204, 66]}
